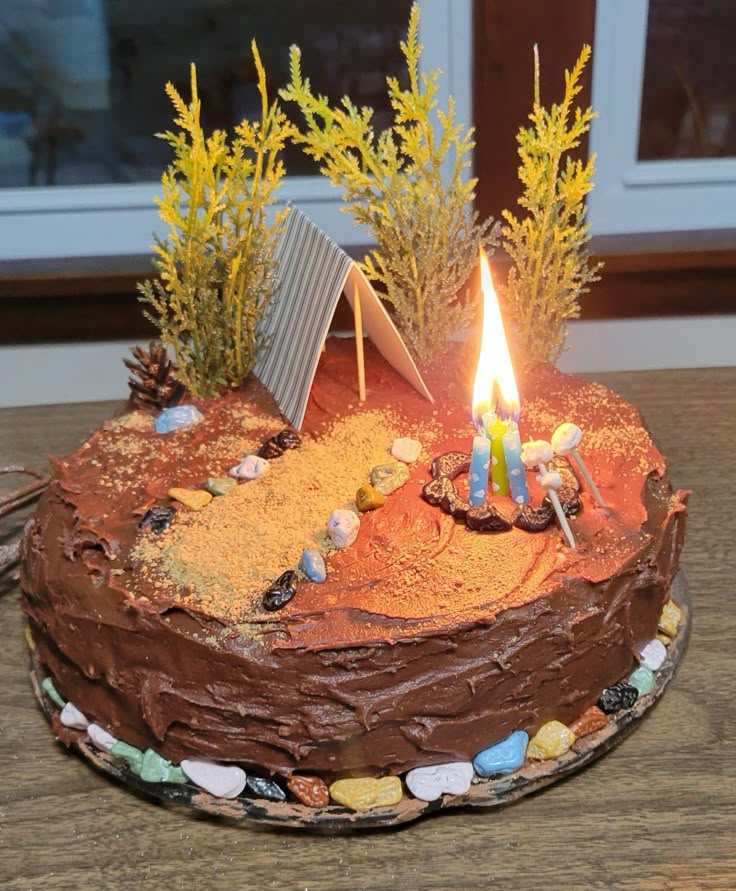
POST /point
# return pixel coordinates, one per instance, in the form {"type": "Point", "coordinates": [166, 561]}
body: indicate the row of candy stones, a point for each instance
{"type": "Point", "coordinates": [552, 740]}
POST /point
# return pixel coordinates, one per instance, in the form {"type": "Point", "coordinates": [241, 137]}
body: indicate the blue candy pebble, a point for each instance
{"type": "Point", "coordinates": [505, 757]}
{"type": "Point", "coordinates": [177, 417]}
{"type": "Point", "coordinates": [312, 564]}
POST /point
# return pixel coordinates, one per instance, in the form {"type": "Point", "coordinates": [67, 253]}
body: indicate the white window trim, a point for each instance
{"type": "Point", "coordinates": [119, 219]}
{"type": "Point", "coordinates": [643, 196]}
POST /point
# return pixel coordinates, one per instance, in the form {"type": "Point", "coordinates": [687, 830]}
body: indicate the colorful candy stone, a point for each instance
{"type": "Point", "coordinates": [221, 780]}
{"type": "Point", "coordinates": [387, 478]}
{"type": "Point", "coordinates": [132, 756]}
{"type": "Point", "coordinates": [270, 449]}
{"type": "Point", "coordinates": [281, 591]}
{"type": "Point", "coordinates": [664, 638]}
{"type": "Point", "coordinates": [653, 654]}
{"type": "Point", "coordinates": [369, 498]}
{"type": "Point", "coordinates": [430, 783]}
{"type": "Point", "coordinates": [71, 717]}
{"type": "Point", "coordinates": [47, 685]}
{"type": "Point", "coordinates": [263, 788]}
{"type": "Point", "coordinates": [312, 564]}
{"type": "Point", "coordinates": [250, 468]}
{"type": "Point", "coordinates": [178, 417]}
{"type": "Point", "coordinates": [617, 696]}
{"type": "Point", "coordinates": [101, 738]}
{"type": "Point", "coordinates": [592, 719]}
{"type": "Point", "coordinates": [670, 618]}
{"type": "Point", "coordinates": [195, 499]}
{"type": "Point", "coordinates": [550, 741]}
{"type": "Point", "coordinates": [503, 757]}
{"type": "Point", "coordinates": [310, 790]}
{"type": "Point", "coordinates": [406, 449]}
{"type": "Point", "coordinates": [220, 485]}
{"type": "Point", "coordinates": [364, 793]}
{"type": "Point", "coordinates": [343, 527]}
{"type": "Point", "coordinates": [158, 518]}
{"type": "Point", "coordinates": [643, 679]}
{"type": "Point", "coordinates": [156, 769]}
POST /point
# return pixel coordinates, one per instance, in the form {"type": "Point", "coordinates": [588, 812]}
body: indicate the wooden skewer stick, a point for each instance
{"type": "Point", "coordinates": [358, 318]}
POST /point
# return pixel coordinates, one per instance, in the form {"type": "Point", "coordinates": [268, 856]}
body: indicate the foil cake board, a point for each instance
{"type": "Point", "coordinates": [483, 793]}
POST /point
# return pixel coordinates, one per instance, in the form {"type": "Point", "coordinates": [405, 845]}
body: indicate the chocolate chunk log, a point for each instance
{"type": "Point", "coordinates": [281, 591]}
{"type": "Point", "coordinates": [534, 519]}
{"type": "Point", "coordinates": [486, 518]}
{"type": "Point", "coordinates": [435, 490]}
{"type": "Point", "coordinates": [451, 465]}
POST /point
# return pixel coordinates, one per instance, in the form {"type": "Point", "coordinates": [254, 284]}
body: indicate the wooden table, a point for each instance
{"type": "Point", "coordinates": [657, 812]}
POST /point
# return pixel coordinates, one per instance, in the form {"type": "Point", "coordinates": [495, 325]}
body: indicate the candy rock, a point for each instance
{"type": "Point", "coordinates": [281, 591]}
{"type": "Point", "coordinates": [132, 756]}
{"type": "Point", "coordinates": [251, 467]}
{"type": "Point", "coordinates": [310, 790]}
{"type": "Point", "coordinates": [264, 788]}
{"type": "Point", "coordinates": [670, 618]}
{"type": "Point", "coordinates": [101, 738]}
{"type": "Point", "coordinates": [177, 417]}
{"type": "Point", "coordinates": [643, 679]}
{"type": "Point", "coordinates": [216, 485]}
{"type": "Point", "coordinates": [312, 564]}
{"type": "Point", "coordinates": [566, 438]}
{"type": "Point", "coordinates": [536, 451]}
{"type": "Point", "coordinates": [221, 780]}
{"type": "Point", "coordinates": [617, 696]}
{"type": "Point", "coordinates": [550, 741]}
{"type": "Point", "coordinates": [342, 527]}
{"type": "Point", "coordinates": [429, 783]}
{"type": "Point", "coordinates": [406, 449]}
{"type": "Point", "coordinates": [503, 757]}
{"type": "Point", "coordinates": [653, 654]}
{"type": "Point", "coordinates": [71, 717]}
{"type": "Point", "coordinates": [387, 478]}
{"type": "Point", "coordinates": [369, 498]}
{"type": "Point", "coordinates": [592, 719]}
{"type": "Point", "coordinates": [195, 499]}
{"type": "Point", "coordinates": [366, 792]}
{"type": "Point", "coordinates": [155, 769]}
{"type": "Point", "coordinates": [47, 685]}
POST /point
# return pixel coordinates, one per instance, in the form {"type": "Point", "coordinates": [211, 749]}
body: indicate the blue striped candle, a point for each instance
{"type": "Point", "coordinates": [480, 462]}
{"type": "Point", "coordinates": [515, 469]}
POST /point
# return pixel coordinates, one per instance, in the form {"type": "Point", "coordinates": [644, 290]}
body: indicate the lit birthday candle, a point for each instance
{"type": "Point", "coordinates": [515, 468]}
{"type": "Point", "coordinates": [480, 461]}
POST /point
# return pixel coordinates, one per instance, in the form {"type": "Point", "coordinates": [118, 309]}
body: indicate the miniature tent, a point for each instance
{"type": "Point", "coordinates": [313, 273]}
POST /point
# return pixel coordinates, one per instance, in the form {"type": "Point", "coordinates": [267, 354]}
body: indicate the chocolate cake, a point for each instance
{"type": "Point", "coordinates": [427, 643]}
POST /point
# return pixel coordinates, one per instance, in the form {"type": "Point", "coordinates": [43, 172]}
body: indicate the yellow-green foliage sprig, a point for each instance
{"type": "Point", "coordinates": [551, 264]}
{"type": "Point", "coordinates": [407, 187]}
{"type": "Point", "coordinates": [216, 266]}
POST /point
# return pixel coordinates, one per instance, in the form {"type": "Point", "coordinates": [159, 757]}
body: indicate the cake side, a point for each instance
{"type": "Point", "coordinates": [426, 643]}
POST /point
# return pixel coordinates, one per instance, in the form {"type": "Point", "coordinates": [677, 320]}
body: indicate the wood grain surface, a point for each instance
{"type": "Point", "coordinates": [657, 812]}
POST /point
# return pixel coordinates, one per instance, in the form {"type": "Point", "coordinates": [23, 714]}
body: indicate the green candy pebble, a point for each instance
{"type": "Point", "coordinates": [47, 685]}
{"type": "Point", "coordinates": [643, 679]}
{"type": "Point", "coordinates": [154, 769]}
{"type": "Point", "coordinates": [175, 774]}
{"type": "Point", "coordinates": [132, 756]}
{"type": "Point", "coordinates": [217, 485]}
{"type": "Point", "coordinates": [387, 478]}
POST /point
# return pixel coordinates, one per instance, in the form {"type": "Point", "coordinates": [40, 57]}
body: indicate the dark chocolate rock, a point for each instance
{"type": "Point", "coordinates": [281, 591]}
{"type": "Point", "coordinates": [569, 499]}
{"type": "Point", "coordinates": [485, 518]}
{"type": "Point", "coordinates": [288, 439]}
{"type": "Point", "coordinates": [158, 518]}
{"type": "Point", "coordinates": [437, 489]}
{"type": "Point", "coordinates": [263, 788]}
{"type": "Point", "coordinates": [451, 465]}
{"type": "Point", "coordinates": [454, 505]}
{"type": "Point", "coordinates": [270, 449]}
{"type": "Point", "coordinates": [534, 519]}
{"type": "Point", "coordinates": [618, 696]}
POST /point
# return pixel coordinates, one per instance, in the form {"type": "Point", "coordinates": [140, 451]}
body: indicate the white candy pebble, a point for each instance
{"type": "Point", "coordinates": [71, 717]}
{"type": "Point", "coordinates": [342, 527]}
{"type": "Point", "coordinates": [221, 780]}
{"type": "Point", "coordinates": [101, 738]}
{"type": "Point", "coordinates": [251, 467]}
{"type": "Point", "coordinates": [406, 449]}
{"type": "Point", "coordinates": [429, 783]}
{"type": "Point", "coordinates": [653, 654]}
{"type": "Point", "coordinates": [566, 438]}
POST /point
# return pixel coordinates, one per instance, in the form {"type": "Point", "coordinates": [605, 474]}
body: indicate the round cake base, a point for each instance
{"type": "Point", "coordinates": [485, 793]}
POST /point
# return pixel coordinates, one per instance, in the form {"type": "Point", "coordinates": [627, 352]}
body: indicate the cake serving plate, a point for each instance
{"type": "Point", "coordinates": [483, 793]}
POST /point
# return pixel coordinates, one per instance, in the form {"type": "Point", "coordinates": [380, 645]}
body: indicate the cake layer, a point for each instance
{"type": "Point", "coordinates": [426, 643]}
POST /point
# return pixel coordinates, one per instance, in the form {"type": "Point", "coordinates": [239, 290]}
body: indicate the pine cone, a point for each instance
{"type": "Point", "coordinates": [157, 386]}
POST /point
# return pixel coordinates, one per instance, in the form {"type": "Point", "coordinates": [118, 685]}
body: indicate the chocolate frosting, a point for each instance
{"type": "Point", "coordinates": [427, 643]}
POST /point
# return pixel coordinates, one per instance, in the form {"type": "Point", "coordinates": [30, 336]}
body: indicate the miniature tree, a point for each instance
{"type": "Point", "coordinates": [548, 247]}
{"type": "Point", "coordinates": [217, 267]}
{"type": "Point", "coordinates": [407, 187]}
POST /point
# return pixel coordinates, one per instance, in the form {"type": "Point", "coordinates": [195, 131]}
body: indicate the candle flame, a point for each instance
{"type": "Point", "coordinates": [495, 384]}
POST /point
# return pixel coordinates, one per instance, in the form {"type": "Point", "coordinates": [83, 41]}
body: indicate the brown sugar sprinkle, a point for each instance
{"type": "Point", "coordinates": [224, 557]}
